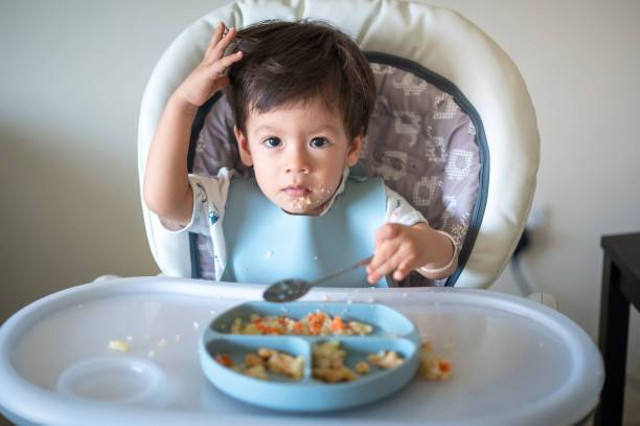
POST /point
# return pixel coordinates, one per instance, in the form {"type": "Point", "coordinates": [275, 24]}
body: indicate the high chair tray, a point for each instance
{"type": "Point", "coordinates": [514, 361]}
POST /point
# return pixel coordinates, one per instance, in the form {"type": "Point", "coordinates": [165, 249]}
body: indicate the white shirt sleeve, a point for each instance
{"type": "Point", "coordinates": [400, 211]}
{"type": "Point", "coordinates": [209, 199]}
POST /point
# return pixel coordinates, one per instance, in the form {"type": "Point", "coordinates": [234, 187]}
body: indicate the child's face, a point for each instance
{"type": "Point", "coordinates": [298, 153]}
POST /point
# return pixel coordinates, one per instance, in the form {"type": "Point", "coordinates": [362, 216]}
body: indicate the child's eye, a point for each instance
{"type": "Point", "coordinates": [273, 142]}
{"type": "Point", "coordinates": [318, 142]}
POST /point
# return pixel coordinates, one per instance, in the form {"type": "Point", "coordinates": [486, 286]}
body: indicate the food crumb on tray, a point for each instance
{"type": "Point", "coordinates": [118, 345]}
{"type": "Point", "coordinates": [433, 366]}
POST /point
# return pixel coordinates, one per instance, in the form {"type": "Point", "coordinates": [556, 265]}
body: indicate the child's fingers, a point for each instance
{"type": "Point", "coordinates": [399, 262]}
{"type": "Point", "coordinates": [384, 250]}
{"type": "Point", "coordinates": [217, 50]}
{"type": "Point", "coordinates": [215, 39]}
{"type": "Point", "coordinates": [218, 67]}
{"type": "Point", "coordinates": [375, 271]}
{"type": "Point", "coordinates": [375, 275]}
{"type": "Point", "coordinates": [405, 260]}
{"type": "Point", "coordinates": [401, 272]}
{"type": "Point", "coordinates": [390, 252]}
{"type": "Point", "coordinates": [384, 262]}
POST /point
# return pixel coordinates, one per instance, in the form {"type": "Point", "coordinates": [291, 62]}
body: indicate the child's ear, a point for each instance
{"type": "Point", "coordinates": [354, 150]}
{"type": "Point", "coordinates": [243, 147]}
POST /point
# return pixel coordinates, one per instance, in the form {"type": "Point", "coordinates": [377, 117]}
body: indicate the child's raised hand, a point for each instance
{"type": "Point", "coordinates": [209, 76]}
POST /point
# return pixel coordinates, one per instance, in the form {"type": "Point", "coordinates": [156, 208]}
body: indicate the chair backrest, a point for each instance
{"type": "Point", "coordinates": [454, 130]}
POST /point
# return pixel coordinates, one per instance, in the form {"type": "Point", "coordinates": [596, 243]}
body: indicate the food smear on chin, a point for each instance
{"type": "Point", "coordinates": [301, 203]}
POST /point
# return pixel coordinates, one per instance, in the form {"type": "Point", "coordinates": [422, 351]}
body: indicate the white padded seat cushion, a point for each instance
{"type": "Point", "coordinates": [439, 40]}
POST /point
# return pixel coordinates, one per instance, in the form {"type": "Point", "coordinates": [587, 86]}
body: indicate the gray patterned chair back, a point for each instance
{"type": "Point", "coordinates": [424, 139]}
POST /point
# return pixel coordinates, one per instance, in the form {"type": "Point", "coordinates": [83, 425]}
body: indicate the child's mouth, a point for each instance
{"type": "Point", "coordinates": [297, 191]}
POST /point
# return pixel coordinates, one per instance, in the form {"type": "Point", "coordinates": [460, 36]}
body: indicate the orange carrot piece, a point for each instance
{"type": "Point", "coordinates": [337, 324]}
{"type": "Point", "coordinates": [444, 365]}
{"type": "Point", "coordinates": [224, 360]}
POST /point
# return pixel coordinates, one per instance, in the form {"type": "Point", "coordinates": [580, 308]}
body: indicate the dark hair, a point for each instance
{"type": "Point", "coordinates": [287, 62]}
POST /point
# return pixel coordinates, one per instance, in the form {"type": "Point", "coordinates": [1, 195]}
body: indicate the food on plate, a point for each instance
{"type": "Point", "coordinates": [224, 360]}
{"type": "Point", "coordinates": [258, 364]}
{"type": "Point", "coordinates": [283, 363]}
{"type": "Point", "coordinates": [362, 367]}
{"type": "Point", "coordinates": [433, 366]}
{"type": "Point", "coordinates": [335, 374]}
{"type": "Point", "coordinates": [316, 323]}
{"type": "Point", "coordinates": [329, 363]}
{"type": "Point", "coordinates": [257, 371]}
{"type": "Point", "coordinates": [385, 359]}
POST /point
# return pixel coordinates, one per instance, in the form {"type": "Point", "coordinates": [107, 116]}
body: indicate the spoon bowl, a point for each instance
{"type": "Point", "coordinates": [291, 289]}
{"type": "Point", "coordinates": [287, 290]}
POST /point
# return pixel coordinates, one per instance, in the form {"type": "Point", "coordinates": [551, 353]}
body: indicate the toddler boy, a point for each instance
{"type": "Point", "coordinates": [302, 94]}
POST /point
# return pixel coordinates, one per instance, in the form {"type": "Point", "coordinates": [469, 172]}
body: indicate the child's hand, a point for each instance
{"type": "Point", "coordinates": [397, 249]}
{"type": "Point", "coordinates": [209, 76]}
{"type": "Point", "coordinates": [401, 249]}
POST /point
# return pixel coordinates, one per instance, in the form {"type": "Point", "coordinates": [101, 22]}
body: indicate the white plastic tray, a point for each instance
{"type": "Point", "coordinates": [515, 361]}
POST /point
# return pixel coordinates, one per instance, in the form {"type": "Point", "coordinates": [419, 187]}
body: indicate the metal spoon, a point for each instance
{"type": "Point", "coordinates": [293, 288]}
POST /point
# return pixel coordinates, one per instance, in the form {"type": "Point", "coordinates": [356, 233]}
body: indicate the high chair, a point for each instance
{"type": "Point", "coordinates": [454, 130]}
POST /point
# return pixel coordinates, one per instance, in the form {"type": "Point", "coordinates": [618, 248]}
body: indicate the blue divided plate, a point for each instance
{"type": "Point", "coordinates": [392, 331]}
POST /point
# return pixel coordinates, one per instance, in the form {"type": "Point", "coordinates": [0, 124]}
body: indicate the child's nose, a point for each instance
{"type": "Point", "coordinates": [298, 161]}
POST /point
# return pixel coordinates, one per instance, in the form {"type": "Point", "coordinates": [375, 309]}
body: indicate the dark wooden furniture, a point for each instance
{"type": "Point", "coordinates": [620, 288]}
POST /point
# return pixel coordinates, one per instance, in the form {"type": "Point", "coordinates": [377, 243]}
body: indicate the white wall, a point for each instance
{"type": "Point", "coordinates": [72, 75]}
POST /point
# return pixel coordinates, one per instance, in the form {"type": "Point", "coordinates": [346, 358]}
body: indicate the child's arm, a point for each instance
{"type": "Point", "coordinates": [166, 186]}
{"type": "Point", "coordinates": [402, 249]}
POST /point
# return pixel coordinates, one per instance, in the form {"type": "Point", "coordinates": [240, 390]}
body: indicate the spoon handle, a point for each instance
{"type": "Point", "coordinates": [358, 264]}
